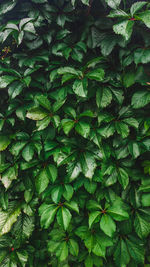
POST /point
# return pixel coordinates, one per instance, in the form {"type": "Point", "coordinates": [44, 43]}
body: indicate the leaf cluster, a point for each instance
{"type": "Point", "coordinates": [74, 133]}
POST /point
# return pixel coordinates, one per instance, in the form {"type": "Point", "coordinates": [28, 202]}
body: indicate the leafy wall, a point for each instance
{"type": "Point", "coordinates": [74, 133]}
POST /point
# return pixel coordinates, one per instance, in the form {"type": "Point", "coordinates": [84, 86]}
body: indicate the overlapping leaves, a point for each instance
{"type": "Point", "coordinates": [74, 133]}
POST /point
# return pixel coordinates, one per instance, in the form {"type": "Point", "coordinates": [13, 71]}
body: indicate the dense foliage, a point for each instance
{"type": "Point", "coordinates": [74, 133]}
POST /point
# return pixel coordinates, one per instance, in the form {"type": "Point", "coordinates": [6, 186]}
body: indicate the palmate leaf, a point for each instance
{"type": "Point", "coordinates": [63, 103]}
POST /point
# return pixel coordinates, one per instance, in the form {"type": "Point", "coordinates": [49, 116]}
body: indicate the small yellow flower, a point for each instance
{"type": "Point", "coordinates": [6, 49]}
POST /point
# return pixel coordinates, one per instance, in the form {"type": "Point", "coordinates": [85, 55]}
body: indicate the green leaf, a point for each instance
{"type": "Point", "coordinates": [47, 213]}
{"type": "Point", "coordinates": [141, 226]}
{"type": "Point", "coordinates": [51, 172]}
{"type": "Point", "coordinates": [103, 97]}
{"type": "Point", "coordinates": [80, 87]}
{"type": "Point", "coordinates": [74, 248]}
{"type": "Point", "coordinates": [4, 142]}
{"type": "Point", "coordinates": [93, 216]}
{"type": "Point", "coordinates": [99, 250]}
{"type": "Point", "coordinates": [23, 22]}
{"type": "Point", "coordinates": [118, 13]}
{"type": "Point", "coordinates": [67, 125]}
{"type": "Point", "coordinates": [28, 152]}
{"type": "Point", "coordinates": [90, 186]}
{"type": "Point", "coordinates": [72, 205]}
{"type": "Point", "coordinates": [44, 102]}
{"type": "Point", "coordinates": [89, 261]}
{"type": "Point", "coordinates": [128, 79]}
{"type": "Point", "coordinates": [63, 251]}
{"type": "Point", "coordinates": [73, 170]}
{"type": "Point", "coordinates": [29, 27]}
{"type": "Point", "coordinates": [64, 217]}
{"type": "Point", "coordinates": [22, 256]}
{"type": "Point", "coordinates": [131, 122]}
{"type": "Point", "coordinates": [113, 3]}
{"type": "Point", "coordinates": [42, 181]}
{"type": "Point", "coordinates": [88, 164]}
{"type": "Point", "coordinates": [97, 75]}
{"type": "Point", "coordinates": [56, 193]}
{"type": "Point", "coordinates": [140, 99]}
{"type": "Point", "coordinates": [69, 70]}
{"type": "Point", "coordinates": [124, 28]}
{"type": "Point", "coordinates": [15, 89]}
{"type": "Point", "coordinates": [68, 192]}
{"type": "Point", "coordinates": [9, 175]}
{"type": "Point", "coordinates": [117, 211]}
{"type": "Point", "coordinates": [8, 218]}
{"type": "Point", "coordinates": [86, 113]}
{"type": "Point", "coordinates": [6, 80]}
{"type": "Point", "coordinates": [136, 7]}
{"type": "Point", "coordinates": [145, 17]}
{"type": "Point", "coordinates": [82, 128]}
{"type": "Point", "coordinates": [42, 124]}
{"type": "Point", "coordinates": [4, 166]}
{"type": "Point", "coordinates": [134, 149]}
{"type": "Point", "coordinates": [36, 114]}
{"type": "Point", "coordinates": [107, 225]}
{"type": "Point", "coordinates": [85, 2]}
{"type": "Point", "coordinates": [122, 128]}
{"type": "Point", "coordinates": [6, 7]}
{"type": "Point", "coordinates": [23, 227]}
{"type": "Point", "coordinates": [107, 130]}
{"type": "Point", "coordinates": [121, 254]}
{"type": "Point", "coordinates": [123, 177]}
{"type": "Point", "coordinates": [145, 200]}
{"type": "Point", "coordinates": [136, 251]}
{"type": "Point", "coordinates": [145, 188]}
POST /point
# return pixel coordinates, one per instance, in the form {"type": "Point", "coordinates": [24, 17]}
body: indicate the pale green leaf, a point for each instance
{"type": "Point", "coordinates": [80, 87]}
{"type": "Point", "coordinates": [36, 114]}
{"type": "Point", "coordinates": [137, 6]}
{"type": "Point", "coordinates": [124, 28]}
